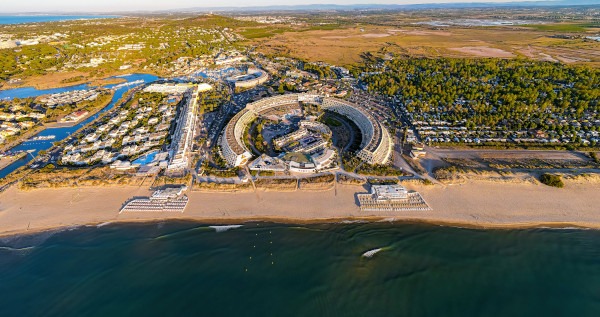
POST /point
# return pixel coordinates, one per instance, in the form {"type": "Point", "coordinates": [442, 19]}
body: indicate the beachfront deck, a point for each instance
{"type": "Point", "coordinates": [153, 205]}
{"type": "Point", "coordinates": [414, 201]}
{"type": "Point", "coordinates": [391, 198]}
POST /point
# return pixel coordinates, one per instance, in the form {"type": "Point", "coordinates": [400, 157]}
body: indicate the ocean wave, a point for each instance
{"type": "Point", "coordinates": [178, 232]}
{"type": "Point", "coordinates": [313, 229]}
{"type": "Point", "coordinates": [225, 228]}
{"type": "Point", "coordinates": [388, 220]}
{"type": "Point", "coordinates": [100, 225]}
{"type": "Point", "coordinates": [24, 249]}
{"type": "Point", "coordinates": [564, 228]}
{"type": "Point", "coordinates": [30, 240]}
{"type": "Point", "coordinates": [353, 221]}
{"type": "Point", "coordinates": [72, 228]}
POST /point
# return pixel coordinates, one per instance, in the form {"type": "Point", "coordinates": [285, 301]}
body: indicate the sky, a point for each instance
{"type": "Point", "coordinates": [11, 6]}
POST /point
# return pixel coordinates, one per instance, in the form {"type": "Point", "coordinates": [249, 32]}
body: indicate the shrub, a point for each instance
{"type": "Point", "coordinates": [594, 157]}
{"type": "Point", "coordinates": [552, 180]}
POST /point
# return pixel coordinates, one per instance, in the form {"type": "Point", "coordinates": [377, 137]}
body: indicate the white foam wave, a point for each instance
{"type": "Point", "coordinates": [388, 220]}
{"type": "Point", "coordinates": [564, 228]}
{"type": "Point", "coordinates": [225, 228]}
{"type": "Point", "coordinates": [18, 250]}
{"type": "Point", "coordinates": [353, 221]}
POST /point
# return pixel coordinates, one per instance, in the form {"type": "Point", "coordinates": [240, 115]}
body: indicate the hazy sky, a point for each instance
{"type": "Point", "coordinates": [122, 5]}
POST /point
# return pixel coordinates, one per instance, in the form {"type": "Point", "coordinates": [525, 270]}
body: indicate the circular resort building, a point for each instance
{"type": "Point", "coordinates": [375, 148]}
{"type": "Point", "coordinates": [253, 77]}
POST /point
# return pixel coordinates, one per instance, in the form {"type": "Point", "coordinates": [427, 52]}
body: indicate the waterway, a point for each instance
{"type": "Point", "coordinates": [63, 132]}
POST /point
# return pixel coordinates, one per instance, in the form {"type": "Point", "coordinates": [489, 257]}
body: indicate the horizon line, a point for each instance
{"type": "Point", "coordinates": [300, 7]}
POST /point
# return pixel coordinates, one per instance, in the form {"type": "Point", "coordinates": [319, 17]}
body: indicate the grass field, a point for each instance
{"type": "Point", "coordinates": [261, 32]}
{"type": "Point", "coordinates": [564, 27]}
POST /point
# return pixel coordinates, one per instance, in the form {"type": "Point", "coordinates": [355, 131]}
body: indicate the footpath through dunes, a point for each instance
{"type": "Point", "coordinates": [477, 203]}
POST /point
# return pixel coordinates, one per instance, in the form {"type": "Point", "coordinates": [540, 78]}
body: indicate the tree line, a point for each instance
{"type": "Point", "coordinates": [516, 94]}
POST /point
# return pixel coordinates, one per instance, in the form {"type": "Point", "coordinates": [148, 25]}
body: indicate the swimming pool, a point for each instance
{"type": "Point", "coordinates": [148, 158]}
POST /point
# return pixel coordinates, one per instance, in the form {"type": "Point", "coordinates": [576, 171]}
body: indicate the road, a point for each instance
{"type": "Point", "coordinates": [399, 161]}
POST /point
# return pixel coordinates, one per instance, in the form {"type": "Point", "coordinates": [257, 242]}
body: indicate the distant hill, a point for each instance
{"type": "Point", "coordinates": [351, 7]}
{"type": "Point", "coordinates": [336, 7]}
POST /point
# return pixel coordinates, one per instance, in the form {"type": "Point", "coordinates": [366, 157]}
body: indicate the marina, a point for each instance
{"type": "Point", "coordinates": [62, 132]}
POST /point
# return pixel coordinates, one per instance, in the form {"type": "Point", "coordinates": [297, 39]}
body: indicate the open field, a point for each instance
{"type": "Point", "coordinates": [507, 154]}
{"type": "Point", "coordinates": [563, 27]}
{"type": "Point", "coordinates": [511, 160]}
{"type": "Point", "coordinates": [344, 46]}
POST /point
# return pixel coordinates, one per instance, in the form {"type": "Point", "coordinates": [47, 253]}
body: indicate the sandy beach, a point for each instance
{"type": "Point", "coordinates": [474, 204]}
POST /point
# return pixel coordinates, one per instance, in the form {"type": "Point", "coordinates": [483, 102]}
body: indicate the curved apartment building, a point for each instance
{"type": "Point", "coordinates": [376, 146]}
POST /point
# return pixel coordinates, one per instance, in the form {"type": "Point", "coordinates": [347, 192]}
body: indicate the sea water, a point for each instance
{"type": "Point", "coordinates": [20, 19]}
{"type": "Point", "coordinates": [265, 269]}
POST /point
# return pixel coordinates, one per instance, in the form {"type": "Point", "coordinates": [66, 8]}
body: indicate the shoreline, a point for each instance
{"type": "Point", "coordinates": [300, 221]}
{"type": "Point", "coordinates": [476, 205]}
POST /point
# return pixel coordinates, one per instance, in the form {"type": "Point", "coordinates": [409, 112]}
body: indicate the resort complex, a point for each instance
{"type": "Point", "coordinates": [311, 136]}
{"type": "Point", "coordinates": [293, 158]}
{"type": "Point", "coordinates": [137, 135]}
{"type": "Point", "coordinates": [263, 118]}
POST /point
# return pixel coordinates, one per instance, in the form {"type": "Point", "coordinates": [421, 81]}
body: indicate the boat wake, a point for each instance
{"type": "Point", "coordinates": [225, 228]}
{"type": "Point", "coordinates": [371, 253]}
